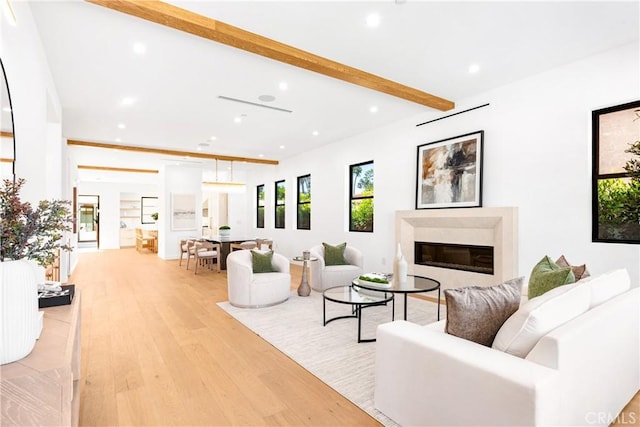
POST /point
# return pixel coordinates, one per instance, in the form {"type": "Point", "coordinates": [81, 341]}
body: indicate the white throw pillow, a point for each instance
{"type": "Point", "coordinates": [540, 315]}
{"type": "Point", "coordinates": [607, 286]}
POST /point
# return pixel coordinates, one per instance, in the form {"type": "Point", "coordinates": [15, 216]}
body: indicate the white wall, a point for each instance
{"type": "Point", "coordinates": [537, 157]}
{"type": "Point", "coordinates": [179, 180]}
{"type": "Point", "coordinates": [33, 96]}
{"type": "Point", "coordinates": [109, 193]}
{"type": "Point", "coordinates": [36, 115]}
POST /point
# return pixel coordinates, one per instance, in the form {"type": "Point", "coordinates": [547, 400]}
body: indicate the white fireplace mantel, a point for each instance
{"type": "Point", "coordinates": [492, 226]}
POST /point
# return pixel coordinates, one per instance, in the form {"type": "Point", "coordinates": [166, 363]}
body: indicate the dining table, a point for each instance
{"type": "Point", "coordinates": [225, 245]}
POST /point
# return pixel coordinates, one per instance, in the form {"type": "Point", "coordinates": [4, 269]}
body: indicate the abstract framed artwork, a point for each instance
{"type": "Point", "coordinates": [449, 172]}
{"type": "Point", "coordinates": [183, 211]}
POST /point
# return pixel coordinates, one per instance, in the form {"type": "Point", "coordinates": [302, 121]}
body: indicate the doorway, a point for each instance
{"type": "Point", "coordinates": [89, 223]}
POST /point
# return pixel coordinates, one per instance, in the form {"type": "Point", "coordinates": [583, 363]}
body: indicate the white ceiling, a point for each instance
{"type": "Point", "coordinates": [177, 82]}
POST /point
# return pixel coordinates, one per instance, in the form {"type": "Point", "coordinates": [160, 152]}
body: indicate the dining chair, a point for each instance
{"type": "Point", "coordinates": [205, 253]}
{"type": "Point", "coordinates": [249, 244]}
{"type": "Point", "coordinates": [191, 250]}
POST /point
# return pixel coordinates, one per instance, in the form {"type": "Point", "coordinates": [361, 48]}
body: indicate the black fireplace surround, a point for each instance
{"type": "Point", "coordinates": [477, 259]}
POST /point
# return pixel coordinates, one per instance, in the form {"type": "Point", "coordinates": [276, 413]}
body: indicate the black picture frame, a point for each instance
{"type": "Point", "coordinates": [449, 172]}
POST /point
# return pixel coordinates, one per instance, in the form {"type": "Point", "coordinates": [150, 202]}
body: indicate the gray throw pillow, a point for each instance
{"type": "Point", "coordinates": [476, 313]}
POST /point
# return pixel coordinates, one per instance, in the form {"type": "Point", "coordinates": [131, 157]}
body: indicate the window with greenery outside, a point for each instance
{"type": "Point", "coordinates": [260, 206]}
{"type": "Point", "coordinates": [361, 197]}
{"type": "Point", "coordinates": [280, 201]}
{"type": "Point", "coordinates": [616, 216]}
{"type": "Point", "coordinates": [304, 202]}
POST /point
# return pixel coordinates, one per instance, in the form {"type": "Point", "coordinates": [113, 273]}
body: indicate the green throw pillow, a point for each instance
{"type": "Point", "coordinates": [334, 255]}
{"type": "Point", "coordinates": [261, 261]}
{"type": "Point", "coordinates": [547, 275]}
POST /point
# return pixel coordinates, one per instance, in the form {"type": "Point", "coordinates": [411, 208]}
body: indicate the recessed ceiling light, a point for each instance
{"type": "Point", "coordinates": [373, 109]}
{"type": "Point", "coordinates": [315, 133]}
{"type": "Point", "coordinates": [267, 98]}
{"type": "Point", "coordinates": [212, 138]}
{"type": "Point", "coordinates": [237, 120]}
{"type": "Point", "coordinates": [373, 20]}
{"type": "Point", "coordinates": [139, 48]}
{"type": "Point", "coordinates": [282, 147]}
{"type": "Point", "coordinates": [121, 126]}
{"type": "Point", "coordinates": [128, 100]}
{"type": "Point", "coordinates": [474, 68]}
{"type": "Point", "coordinates": [118, 140]}
{"type": "Point", "coordinates": [260, 155]}
{"type": "Point", "coordinates": [283, 86]}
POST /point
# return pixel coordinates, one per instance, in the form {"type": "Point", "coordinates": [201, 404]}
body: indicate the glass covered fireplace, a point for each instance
{"type": "Point", "coordinates": [477, 259]}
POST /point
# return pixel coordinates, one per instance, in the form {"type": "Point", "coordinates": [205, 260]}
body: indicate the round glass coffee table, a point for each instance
{"type": "Point", "coordinates": [413, 285]}
{"type": "Point", "coordinates": [350, 295]}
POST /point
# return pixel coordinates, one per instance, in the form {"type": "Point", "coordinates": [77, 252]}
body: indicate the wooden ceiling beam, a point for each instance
{"type": "Point", "coordinates": [112, 169]}
{"type": "Point", "coordinates": [150, 150]}
{"type": "Point", "coordinates": [202, 26]}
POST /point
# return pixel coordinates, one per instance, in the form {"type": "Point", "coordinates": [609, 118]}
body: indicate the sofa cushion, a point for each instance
{"type": "Point", "coordinates": [607, 286]}
{"type": "Point", "coordinates": [334, 255]}
{"type": "Point", "coordinates": [579, 271]}
{"type": "Point", "coordinates": [261, 261]}
{"type": "Point", "coordinates": [547, 275]}
{"type": "Point", "coordinates": [540, 315]}
{"type": "Point", "coordinates": [476, 313]}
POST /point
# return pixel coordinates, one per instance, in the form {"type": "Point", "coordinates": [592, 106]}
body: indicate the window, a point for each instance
{"type": "Point", "coordinates": [616, 174]}
{"type": "Point", "coordinates": [260, 206]}
{"type": "Point", "coordinates": [361, 197]}
{"type": "Point", "coordinates": [304, 202]}
{"type": "Point", "coordinates": [280, 197]}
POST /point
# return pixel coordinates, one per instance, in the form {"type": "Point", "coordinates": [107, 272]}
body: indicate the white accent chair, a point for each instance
{"type": "Point", "coordinates": [324, 276]}
{"type": "Point", "coordinates": [254, 290]}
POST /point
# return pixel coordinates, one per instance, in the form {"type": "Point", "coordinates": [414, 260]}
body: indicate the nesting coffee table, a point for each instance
{"type": "Point", "coordinates": [349, 295]}
{"type": "Point", "coordinates": [413, 285]}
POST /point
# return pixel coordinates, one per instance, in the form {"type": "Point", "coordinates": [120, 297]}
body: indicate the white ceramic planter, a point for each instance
{"type": "Point", "coordinates": [20, 323]}
{"type": "Point", "coordinates": [224, 233]}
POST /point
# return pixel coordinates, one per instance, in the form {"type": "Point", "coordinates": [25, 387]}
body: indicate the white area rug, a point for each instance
{"type": "Point", "coordinates": [331, 352]}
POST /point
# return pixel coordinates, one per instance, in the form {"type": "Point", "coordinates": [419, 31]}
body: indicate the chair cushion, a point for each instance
{"type": "Point", "coordinates": [547, 275]}
{"type": "Point", "coordinates": [476, 313]}
{"type": "Point", "coordinates": [540, 315]}
{"type": "Point", "coordinates": [207, 253]}
{"type": "Point", "coordinates": [334, 255]}
{"type": "Point", "coordinates": [261, 261]}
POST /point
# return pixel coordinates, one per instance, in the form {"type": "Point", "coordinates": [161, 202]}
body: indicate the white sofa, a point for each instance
{"type": "Point", "coordinates": [581, 373]}
{"type": "Point", "coordinates": [326, 276]}
{"type": "Point", "coordinates": [254, 290]}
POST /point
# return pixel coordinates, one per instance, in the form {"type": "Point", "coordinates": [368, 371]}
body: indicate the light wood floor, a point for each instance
{"type": "Point", "coordinates": [157, 350]}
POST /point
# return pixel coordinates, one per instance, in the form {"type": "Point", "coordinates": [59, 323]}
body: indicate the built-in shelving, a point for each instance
{"type": "Point", "coordinates": [130, 211]}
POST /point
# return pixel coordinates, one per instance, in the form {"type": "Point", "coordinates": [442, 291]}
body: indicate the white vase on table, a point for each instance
{"type": "Point", "coordinates": [400, 267]}
{"type": "Point", "coordinates": [19, 317]}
